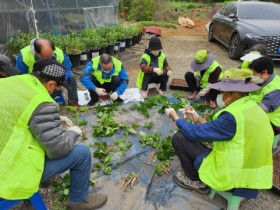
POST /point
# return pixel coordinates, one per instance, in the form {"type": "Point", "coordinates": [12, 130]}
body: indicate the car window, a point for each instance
{"type": "Point", "coordinates": [259, 11]}
{"type": "Point", "coordinates": [231, 10]}
{"type": "Point", "coordinates": [224, 9]}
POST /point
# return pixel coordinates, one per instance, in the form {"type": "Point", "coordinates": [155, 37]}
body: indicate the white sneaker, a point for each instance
{"type": "Point", "coordinates": [144, 94]}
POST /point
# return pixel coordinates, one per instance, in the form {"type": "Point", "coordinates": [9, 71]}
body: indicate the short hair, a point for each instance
{"type": "Point", "coordinates": [261, 64]}
{"type": "Point", "coordinates": [38, 46]}
{"type": "Point", "coordinates": [260, 48]}
{"type": "Point", "coordinates": [106, 59]}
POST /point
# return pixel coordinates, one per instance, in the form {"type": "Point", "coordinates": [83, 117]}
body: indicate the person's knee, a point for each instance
{"type": "Point", "coordinates": [83, 152]}
{"type": "Point", "coordinates": [177, 139]}
{"type": "Point", "coordinates": [189, 74]}
{"type": "Point", "coordinates": [116, 80]}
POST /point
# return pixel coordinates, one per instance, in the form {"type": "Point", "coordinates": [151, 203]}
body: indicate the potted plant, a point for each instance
{"type": "Point", "coordinates": [74, 47]}
{"type": "Point", "coordinates": [111, 39]}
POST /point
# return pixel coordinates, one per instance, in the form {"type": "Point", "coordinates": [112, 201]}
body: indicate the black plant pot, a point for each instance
{"type": "Point", "coordinates": [94, 53]}
{"type": "Point", "coordinates": [128, 42]}
{"type": "Point", "coordinates": [117, 47]}
{"type": "Point", "coordinates": [75, 59]}
{"type": "Point", "coordinates": [139, 37]}
{"type": "Point", "coordinates": [134, 40]}
{"type": "Point", "coordinates": [122, 45]}
{"type": "Point", "coordinates": [103, 50]}
{"type": "Point", "coordinates": [84, 57]}
{"type": "Point", "coordinates": [110, 49]}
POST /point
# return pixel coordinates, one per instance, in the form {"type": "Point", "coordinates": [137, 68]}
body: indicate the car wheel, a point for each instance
{"type": "Point", "coordinates": [210, 34]}
{"type": "Point", "coordinates": [234, 47]}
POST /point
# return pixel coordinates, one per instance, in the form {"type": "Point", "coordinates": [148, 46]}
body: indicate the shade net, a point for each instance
{"type": "Point", "coordinates": [56, 16]}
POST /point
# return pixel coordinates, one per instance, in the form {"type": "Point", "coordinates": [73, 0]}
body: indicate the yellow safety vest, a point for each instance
{"type": "Point", "coordinates": [29, 59]}
{"type": "Point", "coordinates": [246, 160]}
{"type": "Point", "coordinates": [258, 95]}
{"type": "Point", "coordinates": [145, 56]}
{"type": "Point", "coordinates": [97, 73]}
{"type": "Point", "coordinates": [21, 157]}
{"type": "Point", "coordinates": [204, 80]}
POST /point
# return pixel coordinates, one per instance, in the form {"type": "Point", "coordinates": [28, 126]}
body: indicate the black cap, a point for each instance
{"type": "Point", "coordinates": [6, 66]}
{"type": "Point", "coordinates": [52, 70]}
{"type": "Point", "coordinates": [155, 43]}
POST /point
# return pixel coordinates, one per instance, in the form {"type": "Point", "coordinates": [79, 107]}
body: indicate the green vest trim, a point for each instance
{"type": "Point", "coordinates": [258, 96]}
{"type": "Point", "coordinates": [21, 156]}
{"type": "Point", "coordinates": [145, 56]}
{"type": "Point", "coordinates": [97, 73]}
{"type": "Point", "coordinates": [238, 163]}
{"type": "Point", "coordinates": [204, 80]}
{"type": "Point", "coordinates": [29, 59]}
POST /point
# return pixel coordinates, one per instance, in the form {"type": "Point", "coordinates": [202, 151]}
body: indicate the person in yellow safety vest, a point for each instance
{"type": "Point", "coordinates": [42, 48]}
{"type": "Point", "coordinates": [268, 97]}
{"type": "Point", "coordinates": [255, 52]}
{"type": "Point", "coordinates": [154, 68]}
{"type": "Point", "coordinates": [241, 156]}
{"type": "Point", "coordinates": [103, 75]}
{"type": "Point", "coordinates": [6, 68]}
{"type": "Point", "coordinates": [34, 146]}
{"type": "Point", "coordinates": [206, 71]}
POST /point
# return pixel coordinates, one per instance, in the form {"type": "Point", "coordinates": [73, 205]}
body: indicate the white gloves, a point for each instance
{"type": "Point", "coordinates": [100, 91]}
{"type": "Point", "coordinates": [204, 90]}
{"type": "Point", "coordinates": [114, 96]}
{"type": "Point", "coordinates": [168, 111]}
{"type": "Point", "coordinates": [169, 73]}
{"type": "Point", "coordinates": [192, 114]}
{"type": "Point", "coordinates": [158, 71]}
{"type": "Point", "coordinates": [76, 129]}
{"type": "Point", "coordinates": [66, 121]}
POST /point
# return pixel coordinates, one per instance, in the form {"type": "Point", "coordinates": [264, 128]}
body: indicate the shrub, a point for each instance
{"type": "Point", "coordinates": [142, 10]}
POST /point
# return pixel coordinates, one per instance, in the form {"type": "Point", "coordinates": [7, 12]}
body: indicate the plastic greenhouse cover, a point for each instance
{"type": "Point", "coordinates": [152, 191]}
{"type": "Point", "coordinates": [57, 16]}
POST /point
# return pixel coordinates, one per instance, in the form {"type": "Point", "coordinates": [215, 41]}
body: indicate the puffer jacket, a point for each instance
{"type": "Point", "coordinates": [46, 126]}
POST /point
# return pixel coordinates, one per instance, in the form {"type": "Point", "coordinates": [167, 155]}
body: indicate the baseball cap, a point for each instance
{"type": "Point", "coordinates": [6, 66]}
{"type": "Point", "coordinates": [52, 70]}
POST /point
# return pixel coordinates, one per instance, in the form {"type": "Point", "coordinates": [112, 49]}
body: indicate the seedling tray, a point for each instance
{"type": "Point", "coordinates": [179, 84]}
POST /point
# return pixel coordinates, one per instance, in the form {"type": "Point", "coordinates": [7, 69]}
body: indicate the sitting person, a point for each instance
{"type": "Point", "coordinates": [207, 71]}
{"type": "Point", "coordinates": [255, 52]}
{"type": "Point", "coordinates": [241, 156]}
{"type": "Point", "coordinates": [6, 68]}
{"type": "Point", "coordinates": [153, 68]}
{"type": "Point", "coordinates": [268, 97]}
{"type": "Point", "coordinates": [42, 48]}
{"type": "Point", "coordinates": [102, 75]}
{"type": "Point", "coordinates": [34, 146]}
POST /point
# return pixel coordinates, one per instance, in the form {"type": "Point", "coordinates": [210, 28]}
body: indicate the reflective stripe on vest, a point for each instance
{"type": "Point", "coordinates": [21, 157]}
{"type": "Point", "coordinates": [145, 56]}
{"type": "Point", "coordinates": [246, 160]}
{"type": "Point", "coordinates": [29, 59]}
{"type": "Point", "coordinates": [258, 96]}
{"type": "Point", "coordinates": [97, 73]}
{"type": "Point", "coordinates": [204, 80]}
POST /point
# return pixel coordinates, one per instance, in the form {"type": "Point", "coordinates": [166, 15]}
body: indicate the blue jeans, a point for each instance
{"type": "Point", "coordinates": [78, 161]}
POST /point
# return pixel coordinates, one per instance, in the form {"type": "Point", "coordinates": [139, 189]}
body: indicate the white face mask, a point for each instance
{"type": "Point", "coordinates": [257, 80]}
{"type": "Point", "coordinates": [107, 72]}
{"type": "Point", "coordinates": [155, 52]}
{"type": "Point", "coordinates": [220, 101]}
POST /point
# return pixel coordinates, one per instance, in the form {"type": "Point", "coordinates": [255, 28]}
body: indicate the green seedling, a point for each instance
{"type": "Point", "coordinates": [82, 122]}
{"type": "Point", "coordinates": [163, 167]}
{"type": "Point", "coordinates": [61, 188]}
{"type": "Point", "coordinates": [123, 145]}
{"type": "Point", "coordinates": [105, 165]}
{"type": "Point", "coordinates": [149, 125]}
{"type": "Point", "coordinates": [92, 182]}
